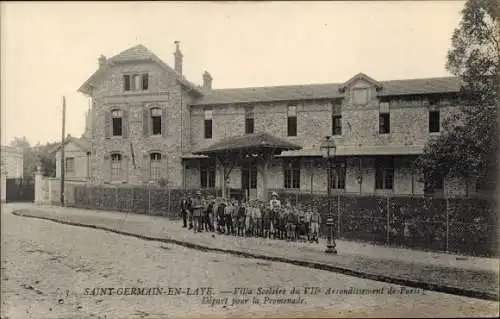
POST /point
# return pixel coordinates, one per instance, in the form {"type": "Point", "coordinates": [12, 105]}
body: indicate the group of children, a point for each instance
{"type": "Point", "coordinates": [252, 218]}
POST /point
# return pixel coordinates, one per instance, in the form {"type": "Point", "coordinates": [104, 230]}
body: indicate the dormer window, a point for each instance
{"type": "Point", "coordinates": [135, 82]}
{"type": "Point", "coordinates": [360, 96]}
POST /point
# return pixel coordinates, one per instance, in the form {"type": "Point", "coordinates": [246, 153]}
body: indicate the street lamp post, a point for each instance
{"type": "Point", "coordinates": [329, 148]}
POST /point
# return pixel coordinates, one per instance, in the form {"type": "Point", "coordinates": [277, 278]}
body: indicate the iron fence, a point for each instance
{"type": "Point", "coordinates": [454, 224]}
{"type": "Point", "coordinates": [461, 225]}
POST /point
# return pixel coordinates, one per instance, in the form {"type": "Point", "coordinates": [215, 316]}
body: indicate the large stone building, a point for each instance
{"type": "Point", "coordinates": [147, 119]}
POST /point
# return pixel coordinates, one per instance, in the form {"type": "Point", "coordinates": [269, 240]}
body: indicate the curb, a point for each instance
{"type": "Point", "coordinates": [316, 265]}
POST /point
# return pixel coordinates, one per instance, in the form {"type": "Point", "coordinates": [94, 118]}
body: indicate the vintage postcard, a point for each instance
{"type": "Point", "coordinates": [249, 159]}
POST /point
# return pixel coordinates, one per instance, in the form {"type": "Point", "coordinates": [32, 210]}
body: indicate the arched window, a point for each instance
{"type": "Point", "coordinates": [155, 166]}
{"type": "Point", "coordinates": [116, 116]}
{"type": "Point", "coordinates": [156, 121]}
{"type": "Point", "coordinates": [116, 167]}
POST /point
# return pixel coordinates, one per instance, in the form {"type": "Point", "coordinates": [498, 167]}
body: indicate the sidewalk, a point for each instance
{"type": "Point", "coordinates": [463, 275]}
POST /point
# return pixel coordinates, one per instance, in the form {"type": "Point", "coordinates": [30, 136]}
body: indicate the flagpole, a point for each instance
{"type": "Point", "coordinates": [63, 168]}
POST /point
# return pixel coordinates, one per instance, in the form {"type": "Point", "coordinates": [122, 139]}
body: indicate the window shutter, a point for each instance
{"type": "Point", "coordinates": [92, 118]}
{"type": "Point", "coordinates": [107, 169]}
{"type": "Point", "coordinates": [126, 82]}
{"type": "Point", "coordinates": [125, 123]}
{"type": "Point", "coordinates": [107, 124]}
{"type": "Point", "coordinates": [164, 122]}
{"type": "Point", "coordinates": [164, 169]}
{"type": "Point", "coordinates": [145, 83]}
{"type": "Point", "coordinates": [145, 122]}
{"type": "Point", "coordinates": [145, 167]}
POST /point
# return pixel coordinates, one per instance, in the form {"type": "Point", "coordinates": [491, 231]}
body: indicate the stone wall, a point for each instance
{"type": "Point", "coordinates": [360, 124]}
{"type": "Point", "coordinates": [164, 91]}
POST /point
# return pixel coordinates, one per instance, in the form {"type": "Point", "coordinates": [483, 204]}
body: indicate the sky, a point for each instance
{"type": "Point", "coordinates": [49, 49]}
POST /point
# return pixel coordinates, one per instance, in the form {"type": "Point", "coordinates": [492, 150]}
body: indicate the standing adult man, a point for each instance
{"type": "Point", "coordinates": [308, 215]}
{"type": "Point", "coordinates": [315, 222]}
{"type": "Point", "coordinates": [220, 216]}
{"type": "Point", "coordinates": [274, 206]}
{"type": "Point", "coordinates": [241, 219]}
{"type": "Point", "coordinates": [197, 211]}
{"type": "Point", "coordinates": [257, 214]}
{"type": "Point", "coordinates": [190, 211]}
{"type": "Point", "coordinates": [184, 211]}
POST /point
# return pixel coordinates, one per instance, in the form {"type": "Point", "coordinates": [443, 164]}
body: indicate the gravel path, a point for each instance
{"type": "Point", "coordinates": [46, 268]}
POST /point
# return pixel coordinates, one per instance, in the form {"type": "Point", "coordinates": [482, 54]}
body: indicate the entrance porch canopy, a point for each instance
{"type": "Point", "coordinates": [231, 150]}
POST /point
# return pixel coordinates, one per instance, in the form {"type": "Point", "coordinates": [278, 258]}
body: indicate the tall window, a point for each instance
{"type": "Point", "coordinates": [207, 174]}
{"type": "Point", "coordinates": [116, 116]}
{"type": "Point", "coordinates": [208, 123]}
{"type": "Point", "coordinates": [384, 119]}
{"type": "Point", "coordinates": [249, 121]}
{"type": "Point", "coordinates": [360, 95]}
{"type": "Point", "coordinates": [249, 177]}
{"type": "Point", "coordinates": [70, 165]}
{"type": "Point", "coordinates": [292, 174]}
{"type": "Point", "coordinates": [292, 120]}
{"type": "Point", "coordinates": [155, 166]}
{"type": "Point", "coordinates": [384, 173]}
{"type": "Point", "coordinates": [434, 121]}
{"type": "Point", "coordinates": [156, 121]}
{"type": "Point", "coordinates": [337, 175]}
{"type": "Point", "coordinates": [336, 118]}
{"type": "Point", "coordinates": [116, 167]}
{"type": "Point", "coordinates": [135, 82]}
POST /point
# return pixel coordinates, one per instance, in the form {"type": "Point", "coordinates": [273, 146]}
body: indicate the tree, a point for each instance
{"type": "Point", "coordinates": [38, 155]}
{"type": "Point", "coordinates": [469, 143]}
{"type": "Point", "coordinates": [46, 159]}
{"type": "Point", "coordinates": [29, 161]}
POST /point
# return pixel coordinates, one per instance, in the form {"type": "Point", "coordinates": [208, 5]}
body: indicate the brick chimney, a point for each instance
{"type": "Point", "coordinates": [207, 80]}
{"type": "Point", "coordinates": [102, 61]}
{"type": "Point", "coordinates": [178, 58]}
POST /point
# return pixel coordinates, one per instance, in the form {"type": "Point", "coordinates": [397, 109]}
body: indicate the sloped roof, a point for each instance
{"type": "Point", "coordinates": [361, 76]}
{"type": "Point", "coordinates": [134, 54]}
{"type": "Point", "coordinates": [324, 91]}
{"type": "Point", "coordinates": [258, 141]}
{"type": "Point", "coordinates": [80, 142]}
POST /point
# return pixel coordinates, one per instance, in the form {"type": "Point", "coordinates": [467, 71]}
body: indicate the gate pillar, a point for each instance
{"type": "Point", "coordinates": [38, 187]}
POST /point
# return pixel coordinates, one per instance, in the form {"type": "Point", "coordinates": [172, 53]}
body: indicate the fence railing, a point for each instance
{"type": "Point", "coordinates": [454, 224]}
{"type": "Point", "coordinates": [462, 225]}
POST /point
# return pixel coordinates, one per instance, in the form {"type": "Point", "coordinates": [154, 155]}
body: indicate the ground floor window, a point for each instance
{"type": "Point", "coordinates": [207, 174]}
{"type": "Point", "coordinates": [249, 177]}
{"type": "Point", "coordinates": [292, 173]}
{"type": "Point", "coordinates": [155, 166]}
{"type": "Point", "coordinates": [116, 167]}
{"type": "Point", "coordinates": [337, 175]}
{"type": "Point", "coordinates": [384, 173]}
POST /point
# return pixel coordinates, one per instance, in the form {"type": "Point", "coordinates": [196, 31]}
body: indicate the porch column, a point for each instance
{"type": "Point", "coordinates": [265, 164]}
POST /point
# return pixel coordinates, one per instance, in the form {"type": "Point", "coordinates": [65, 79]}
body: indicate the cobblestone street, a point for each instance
{"type": "Point", "coordinates": [46, 268]}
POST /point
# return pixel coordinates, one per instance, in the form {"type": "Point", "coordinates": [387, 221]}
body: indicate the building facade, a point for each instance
{"type": "Point", "coordinates": [77, 159]}
{"type": "Point", "coordinates": [147, 119]}
{"type": "Point", "coordinates": [12, 162]}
